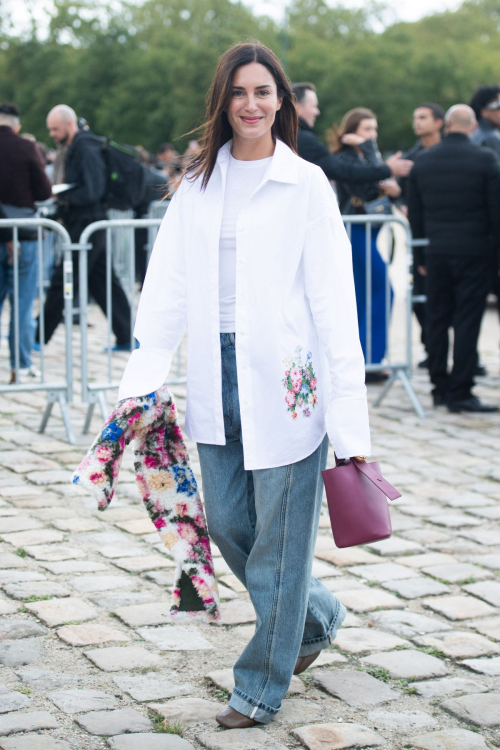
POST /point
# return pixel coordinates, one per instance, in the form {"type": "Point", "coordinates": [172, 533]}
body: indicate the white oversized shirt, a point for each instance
{"type": "Point", "coordinates": [299, 360]}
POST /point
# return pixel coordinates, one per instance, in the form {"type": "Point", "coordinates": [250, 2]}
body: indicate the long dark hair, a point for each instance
{"type": "Point", "coordinates": [216, 130]}
{"type": "Point", "coordinates": [350, 123]}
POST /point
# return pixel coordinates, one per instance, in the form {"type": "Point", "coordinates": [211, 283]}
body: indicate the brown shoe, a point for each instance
{"type": "Point", "coordinates": [232, 719]}
{"type": "Point", "coordinates": [303, 662]}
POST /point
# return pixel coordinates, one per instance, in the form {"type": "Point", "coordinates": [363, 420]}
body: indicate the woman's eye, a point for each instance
{"type": "Point", "coordinates": [237, 93]}
{"type": "Point", "coordinates": [264, 93]}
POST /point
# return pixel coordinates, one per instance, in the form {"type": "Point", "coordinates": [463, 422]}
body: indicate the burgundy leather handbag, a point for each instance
{"type": "Point", "coordinates": [357, 500]}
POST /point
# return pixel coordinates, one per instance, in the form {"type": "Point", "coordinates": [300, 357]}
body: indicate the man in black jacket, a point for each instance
{"type": "Point", "coordinates": [311, 149]}
{"type": "Point", "coordinates": [79, 206]}
{"type": "Point", "coordinates": [453, 201]}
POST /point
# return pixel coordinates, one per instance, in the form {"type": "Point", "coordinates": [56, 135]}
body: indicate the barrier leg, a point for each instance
{"type": "Point", "coordinates": [98, 397]}
{"type": "Point", "coordinates": [401, 375]}
{"type": "Point", "coordinates": [60, 398]}
{"type": "Point", "coordinates": [88, 418]}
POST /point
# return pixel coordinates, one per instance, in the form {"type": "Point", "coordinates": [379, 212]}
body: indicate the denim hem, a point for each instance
{"type": "Point", "coordinates": [250, 707]}
{"type": "Point", "coordinates": [312, 645]}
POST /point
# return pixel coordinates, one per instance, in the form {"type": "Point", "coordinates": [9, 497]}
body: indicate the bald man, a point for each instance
{"type": "Point", "coordinates": [84, 169]}
{"type": "Point", "coordinates": [454, 199]}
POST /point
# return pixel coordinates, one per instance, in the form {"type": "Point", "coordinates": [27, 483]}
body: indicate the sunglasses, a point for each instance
{"type": "Point", "coordinates": [493, 106]}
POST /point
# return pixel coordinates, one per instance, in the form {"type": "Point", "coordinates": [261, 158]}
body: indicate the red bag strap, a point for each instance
{"type": "Point", "coordinates": [371, 473]}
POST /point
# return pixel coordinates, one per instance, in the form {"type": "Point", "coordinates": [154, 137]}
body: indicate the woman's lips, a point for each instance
{"type": "Point", "coordinates": [251, 119]}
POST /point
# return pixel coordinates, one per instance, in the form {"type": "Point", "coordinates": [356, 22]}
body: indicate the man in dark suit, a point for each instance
{"type": "Point", "coordinates": [454, 200]}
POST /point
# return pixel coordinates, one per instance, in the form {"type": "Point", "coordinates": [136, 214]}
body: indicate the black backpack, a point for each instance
{"type": "Point", "coordinates": [125, 175]}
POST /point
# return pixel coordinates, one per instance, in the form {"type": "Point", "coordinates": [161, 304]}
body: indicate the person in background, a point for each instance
{"type": "Point", "coordinates": [312, 149]}
{"type": "Point", "coordinates": [22, 182]}
{"type": "Point", "coordinates": [428, 121]}
{"type": "Point", "coordinates": [84, 169]}
{"type": "Point", "coordinates": [168, 159]}
{"type": "Point", "coordinates": [453, 201]}
{"type": "Point", "coordinates": [356, 143]}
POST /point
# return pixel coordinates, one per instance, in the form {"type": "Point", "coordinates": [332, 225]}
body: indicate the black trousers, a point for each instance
{"type": "Point", "coordinates": [419, 289]}
{"type": "Point", "coordinates": [54, 302]}
{"type": "Point", "coordinates": [457, 288]}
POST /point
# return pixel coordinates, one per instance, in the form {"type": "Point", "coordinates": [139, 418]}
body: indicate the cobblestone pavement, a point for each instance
{"type": "Point", "coordinates": [89, 659]}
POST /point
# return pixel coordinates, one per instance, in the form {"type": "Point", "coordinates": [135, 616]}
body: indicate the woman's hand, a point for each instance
{"type": "Point", "coordinates": [351, 139]}
{"type": "Point", "coordinates": [390, 188]}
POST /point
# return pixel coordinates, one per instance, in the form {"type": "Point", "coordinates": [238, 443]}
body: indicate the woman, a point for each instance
{"type": "Point", "coordinates": [356, 140]}
{"type": "Point", "coordinates": [253, 255]}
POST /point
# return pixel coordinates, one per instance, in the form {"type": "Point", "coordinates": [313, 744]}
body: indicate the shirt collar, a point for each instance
{"type": "Point", "coordinates": [283, 166]}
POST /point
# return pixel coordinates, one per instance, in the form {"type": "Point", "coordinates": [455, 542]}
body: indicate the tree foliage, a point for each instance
{"type": "Point", "coordinates": [141, 72]}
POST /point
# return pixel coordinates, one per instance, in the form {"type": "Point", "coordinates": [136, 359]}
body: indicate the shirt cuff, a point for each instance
{"type": "Point", "coordinates": [146, 371]}
{"type": "Point", "coordinates": [348, 427]}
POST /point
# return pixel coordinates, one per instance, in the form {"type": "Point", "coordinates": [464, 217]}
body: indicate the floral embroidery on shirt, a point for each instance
{"type": "Point", "coordinates": [300, 382]}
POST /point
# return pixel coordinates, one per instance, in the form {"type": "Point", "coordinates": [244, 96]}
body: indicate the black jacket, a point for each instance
{"type": "Point", "coordinates": [84, 167]}
{"type": "Point", "coordinates": [334, 166]}
{"type": "Point", "coordinates": [5, 232]}
{"type": "Point", "coordinates": [454, 198]}
{"type": "Point", "coordinates": [368, 190]}
{"type": "Point", "coordinates": [412, 154]}
{"type": "Point", "coordinates": [487, 135]}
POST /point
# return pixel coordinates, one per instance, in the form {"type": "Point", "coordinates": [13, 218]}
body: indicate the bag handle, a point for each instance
{"type": "Point", "coordinates": [378, 480]}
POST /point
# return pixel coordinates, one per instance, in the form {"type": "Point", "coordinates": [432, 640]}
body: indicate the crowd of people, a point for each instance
{"type": "Point", "coordinates": [456, 209]}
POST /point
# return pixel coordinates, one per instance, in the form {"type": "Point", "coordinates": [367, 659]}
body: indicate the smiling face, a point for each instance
{"type": "Point", "coordinates": [254, 102]}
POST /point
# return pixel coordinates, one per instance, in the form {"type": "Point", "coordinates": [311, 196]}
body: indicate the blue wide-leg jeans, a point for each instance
{"type": "Point", "coordinates": [265, 524]}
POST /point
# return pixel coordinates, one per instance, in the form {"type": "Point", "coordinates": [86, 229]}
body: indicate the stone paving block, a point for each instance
{"type": "Point", "coordinates": [300, 711]}
{"type": "Point", "coordinates": [457, 572]}
{"type": "Point", "coordinates": [68, 567]}
{"type": "Point", "coordinates": [19, 576]}
{"type": "Point", "coordinates": [492, 513]}
{"type": "Point", "coordinates": [112, 551]}
{"type": "Point", "coordinates": [337, 736]}
{"type": "Point", "coordinates": [488, 561]}
{"type": "Point", "coordinates": [191, 711]}
{"type": "Point", "coordinates": [149, 742]}
{"type": "Point", "coordinates": [487, 590]}
{"type": "Point", "coordinates": [76, 525]}
{"type": "Point", "coordinates": [343, 583]}
{"type": "Point", "coordinates": [26, 722]}
{"type": "Point", "coordinates": [466, 500]}
{"type": "Point", "coordinates": [44, 679]}
{"type": "Point", "coordinates": [421, 511]}
{"type": "Point", "coordinates": [447, 687]}
{"type": "Point", "coordinates": [62, 611]}
{"type": "Point", "coordinates": [47, 500]}
{"type": "Point", "coordinates": [36, 588]}
{"type": "Point", "coordinates": [98, 584]}
{"type": "Point", "coordinates": [459, 645]}
{"type": "Point", "coordinates": [12, 629]}
{"type": "Point", "coordinates": [143, 563]}
{"type": "Point", "coordinates": [484, 666]}
{"type": "Point", "coordinates": [357, 689]}
{"type": "Point", "coordinates": [321, 569]}
{"type": "Point", "coordinates": [27, 742]}
{"type": "Point", "coordinates": [55, 552]}
{"type": "Point", "coordinates": [367, 601]}
{"type": "Point", "coordinates": [11, 560]}
{"type": "Point", "coordinates": [454, 520]}
{"type": "Point", "coordinates": [175, 638]}
{"type": "Point", "coordinates": [349, 556]}
{"type": "Point", "coordinates": [152, 686]}
{"type": "Point", "coordinates": [395, 546]}
{"type": "Point", "coordinates": [109, 723]}
{"type": "Point", "coordinates": [235, 584]}
{"type": "Point", "coordinates": [426, 559]}
{"type": "Point", "coordinates": [117, 599]}
{"type": "Point", "coordinates": [416, 588]}
{"type": "Point", "coordinates": [408, 665]}
{"type": "Point", "coordinates": [482, 709]}
{"type": "Point", "coordinates": [459, 607]}
{"type": "Point", "coordinates": [236, 613]}
{"type": "Point", "coordinates": [239, 739]}
{"type": "Point", "coordinates": [384, 572]}
{"type": "Point", "coordinates": [401, 719]}
{"type": "Point", "coordinates": [18, 523]}
{"type": "Point", "coordinates": [328, 657]}
{"type": "Point", "coordinates": [116, 658]}
{"type": "Point", "coordinates": [27, 538]}
{"type": "Point", "coordinates": [19, 653]}
{"type": "Point", "coordinates": [22, 461]}
{"type": "Point", "coordinates": [125, 513]}
{"type": "Point", "coordinates": [224, 678]}
{"type": "Point", "coordinates": [6, 608]}
{"type": "Point", "coordinates": [360, 640]}
{"type": "Point", "coordinates": [449, 739]}
{"type": "Point", "coordinates": [488, 537]}
{"type": "Point", "coordinates": [12, 700]}
{"type": "Point", "coordinates": [136, 526]}
{"type": "Point", "coordinates": [79, 700]}
{"type": "Point", "coordinates": [90, 634]}
{"type": "Point", "coordinates": [137, 615]}
{"type": "Point", "coordinates": [164, 578]}
{"type": "Point", "coordinates": [489, 627]}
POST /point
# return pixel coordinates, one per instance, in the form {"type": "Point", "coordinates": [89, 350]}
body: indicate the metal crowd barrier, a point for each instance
{"type": "Point", "coordinates": [95, 392]}
{"type": "Point", "coordinates": [60, 391]}
{"type": "Point", "coordinates": [401, 369]}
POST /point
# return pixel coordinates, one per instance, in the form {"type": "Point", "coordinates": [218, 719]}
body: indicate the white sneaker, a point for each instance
{"type": "Point", "coordinates": [26, 374]}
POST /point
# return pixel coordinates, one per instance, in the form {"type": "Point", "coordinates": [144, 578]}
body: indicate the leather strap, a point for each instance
{"type": "Point", "coordinates": [378, 480]}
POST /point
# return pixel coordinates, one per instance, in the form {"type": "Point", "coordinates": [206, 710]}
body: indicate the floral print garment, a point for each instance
{"type": "Point", "coordinates": [168, 489]}
{"type": "Point", "coordinates": [300, 383]}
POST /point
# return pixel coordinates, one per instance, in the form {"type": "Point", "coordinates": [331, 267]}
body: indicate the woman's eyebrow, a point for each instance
{"type": "Point", "coordinates": [262, 86]}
